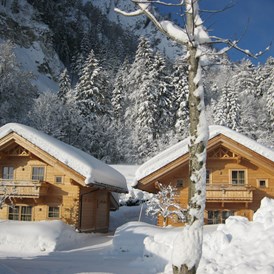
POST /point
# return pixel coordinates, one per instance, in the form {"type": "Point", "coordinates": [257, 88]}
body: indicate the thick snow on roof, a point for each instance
{"type": "Point", "coordinates": [181, 148]}
{"type": "Point", "coordinates": [128, 171]}
{"type": "Point", "coordinates": [94, 171]}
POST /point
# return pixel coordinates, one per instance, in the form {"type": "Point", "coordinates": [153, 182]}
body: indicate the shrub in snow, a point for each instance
{"type": "Point", "coordinates": [164, 204]}
{"type": "Point", "coordinates": [6, 195]}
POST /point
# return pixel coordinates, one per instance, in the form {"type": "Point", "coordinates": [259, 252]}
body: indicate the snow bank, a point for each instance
{"type": "Point", "coordinates": [136, 238]}
{"type": "Point", "coordinates": [181, 148]}
{"type": "Point", "coordinates": [238, 246]}
{"type": "Point", "coordinates": [95, 171]}
{"type": "Point", "coordinates": [37, 238]}
{"type": "Point", "coordinates": [127, 214]}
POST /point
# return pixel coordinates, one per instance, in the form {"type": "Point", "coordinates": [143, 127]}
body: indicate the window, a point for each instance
{"type": "Point", "coordinates": [20, 213]}
{"type": "Point", "coordinates": [218, 217]}
{"type": "Point", "coordinates": [38, 173]}
{"type": "Point", "coordinates": [54, 212]}
{"type": "Point", "coordinates": [26, 213]}
{"type": "Point", "coordinates": [14, 212]}
{"type": "Point", "coordinates": [7, 172]}
{"type": "Point", "coordinates": [262, 183]}
{"type": "Point", "coordinates": [58, 179]}
{"type": "Point", "coordinates": [207, 176]}
{"type": "Point", "coordinates": [238, 177]}
{"type": "Point", "coordinates": [179, 183]}
{"type": "Point", "coordinates": [213, 217]}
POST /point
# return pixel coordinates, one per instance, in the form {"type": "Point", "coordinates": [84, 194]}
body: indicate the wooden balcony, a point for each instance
{"type": "Point", "coordinates": [229, 193]}
{"type": "Point", "coordinates": [23, 189]}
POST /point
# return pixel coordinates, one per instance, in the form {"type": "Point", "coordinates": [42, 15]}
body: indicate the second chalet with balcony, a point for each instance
{"type": "Point", "coordinates": [240, 172]}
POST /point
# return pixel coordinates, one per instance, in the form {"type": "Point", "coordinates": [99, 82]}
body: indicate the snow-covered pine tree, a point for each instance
{"type": "Point", "coordinates": [64, 86]}
{"type": "Point", "coordinates": [142, 109]}
{"type": "Point", "coordinates": [119, 93]}
{"type": "Point", "coordinates": [220, 109]}
{"type": "Point", "coordinates": [50, 115]}
{"type": "Point", "coordinates": [245, 78]}
{"type": "Point", "coordinates": [264, 76]}
{"type": "Point", "coordinates": [90, 89]}
{"type": "Point", "coordinates": [233, 117]}
{"type": "Point", "coordinates": [77, 63]}
{"type": "Point", "coordinates": [165, 93]}
{"type": "Point", "coordinates": [226, 112]}
{"type": "Point", "coordinates": [180, 86]}
{"type": "Point", "coordinates": [17, 91]}
{"type": "Point", "coordinates": [85, 44]}
{"type": "Point", "coordinates": [270, 104]}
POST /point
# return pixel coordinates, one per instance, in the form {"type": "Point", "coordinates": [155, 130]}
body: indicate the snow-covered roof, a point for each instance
{"type": "Point", "coordinates": [181, 148]}
{"type": "Point", "coordinates": [128, 171]}
{"type": "Point", "coordinates": [95, 171]}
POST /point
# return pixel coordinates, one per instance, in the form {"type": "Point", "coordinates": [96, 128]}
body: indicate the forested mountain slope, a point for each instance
{"type": "Point", "coordinates": [113, 86]}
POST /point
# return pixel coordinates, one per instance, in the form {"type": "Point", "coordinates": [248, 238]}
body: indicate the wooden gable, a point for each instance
{"type": "Point", "coordinates": [220, 147]}
{"type": "Point", "coordinates": [15, 145]}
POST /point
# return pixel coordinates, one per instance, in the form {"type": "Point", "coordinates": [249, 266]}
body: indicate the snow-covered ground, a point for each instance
{"type": "Point", "coordinates": [239, 246]}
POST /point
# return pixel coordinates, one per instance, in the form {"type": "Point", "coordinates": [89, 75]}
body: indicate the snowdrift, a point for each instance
{"type": "Point", "coordinates": [37, 237]}
{"type": "Point", "coordinates": [238, 246]}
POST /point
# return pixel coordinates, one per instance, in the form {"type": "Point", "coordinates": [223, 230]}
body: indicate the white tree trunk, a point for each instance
{"type": "Point", "coordinates": [198, 140]}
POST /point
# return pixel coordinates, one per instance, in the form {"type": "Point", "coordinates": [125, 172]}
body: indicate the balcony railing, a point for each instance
{"type": "Point", "coordinates": [23, 189]}
{"type": "Point", "coordinates": [229, 193]}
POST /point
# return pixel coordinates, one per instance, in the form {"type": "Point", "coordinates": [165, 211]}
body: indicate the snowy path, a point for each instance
{"type": "Point", "coordinates": [97, 258]}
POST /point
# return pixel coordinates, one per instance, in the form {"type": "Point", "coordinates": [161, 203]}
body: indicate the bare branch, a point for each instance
{"type": "Point", "coordinates": [129, 14]}
{"type": "Point", "coordinates": [166, 27]}
{"type": "Point", "coordinates": [228, 6]}
{"type": "Point", "coordinates": [234, 45]}
{"type": "Point", "coordinates": [159, 2]}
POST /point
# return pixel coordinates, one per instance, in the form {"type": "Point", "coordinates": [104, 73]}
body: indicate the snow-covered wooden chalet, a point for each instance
{"type": "Point", "coordinates": [43, 178]}
{"type": "Point", "coordinates": [240, 172]}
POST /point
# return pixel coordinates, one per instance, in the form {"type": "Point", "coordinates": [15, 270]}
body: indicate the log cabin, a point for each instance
{"type": "Point", "coordinates": [239, 173]}
{"type": "Point", "coordinates": [42, 178]}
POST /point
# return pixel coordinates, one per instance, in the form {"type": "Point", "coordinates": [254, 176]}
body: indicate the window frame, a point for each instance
{"type": "Point", "coordinates": [3, 173]}
{"type": "Point", "coordinates": [218, 216]}
{"type": "Point", "coordinates": [212, 221]}
{"type": "Point", "coordinates": [58, 176]}
{"type": "Point", "coordinates": [53, 212]}
{"type": "Point", "coordinates": [11, 212]}
{"type": "Point", "coordinates": [21, 216]}
{"type": "Point", "coordinates": [38, 175]}
{"type": "Point", "coordinates": [25, 216]}
{"type": "Point", "coordinates": [259, 185]}
{"type": "Point", "coordinates": [238, 178]}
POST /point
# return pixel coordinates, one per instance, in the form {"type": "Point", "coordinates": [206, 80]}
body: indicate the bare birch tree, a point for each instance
{"type": "Point", "coordinates": [188, 246]}
{"type": "Point", "coordinates": [165, 204]}
{"type": "Point", "coordinates": [6, 195]}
